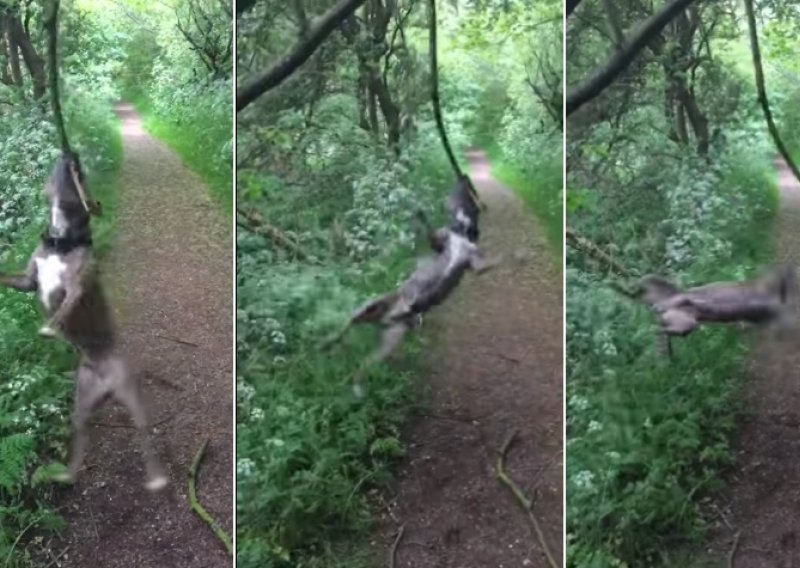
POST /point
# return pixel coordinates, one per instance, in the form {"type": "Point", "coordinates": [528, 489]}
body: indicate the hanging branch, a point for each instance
{"type": "Point", "coordinates": [51, 25]}
{"type": "Point", "coordinates": [762, 91]}
{"type": "Point", "coordinates": [437, 108]}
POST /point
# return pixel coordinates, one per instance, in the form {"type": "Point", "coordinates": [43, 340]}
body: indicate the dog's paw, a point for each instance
{"type": "Point", "coordinates": [63, 477]}
{"type": "Point", "coordinates": [47, 332]}
{"type": "Point", "coordinates": [157, 483]}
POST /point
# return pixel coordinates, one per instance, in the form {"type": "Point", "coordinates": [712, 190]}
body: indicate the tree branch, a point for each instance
{"type": "Point", "coordinates": [762, 91]}
{"type": "Point", "coordinates": [244, 5]}
{"type": "Point", "coordinates": [51, 25]}
{"type": "Point", "coordinates": [571, 5]}
{"type": "Point", "coordinates": [254, 223]}
{"type": "Point", "coordinates": [623, 57]}
{"type": "Point", "coordinates": [286, 65]}
{"type": "Point", "coordinates": [590, 249]}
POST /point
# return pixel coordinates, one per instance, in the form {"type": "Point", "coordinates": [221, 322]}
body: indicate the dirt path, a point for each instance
{"type": "Point", "coordinates": [763, 498]}
{"type": "Point", "coordinates": [170, 277]}
{"type": "Point", "coordinates": [495, 366]}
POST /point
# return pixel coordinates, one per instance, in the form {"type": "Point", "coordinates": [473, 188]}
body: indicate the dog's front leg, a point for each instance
{"type": "Point", "coordinates": [73, 288]}
{"type": "Point", "coordinates": [480, 264]}
{"type": "Point", "coordinates": [26, 282]}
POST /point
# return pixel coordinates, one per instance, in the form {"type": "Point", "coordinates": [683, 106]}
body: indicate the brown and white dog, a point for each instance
{"type": "Point", "coordinates": [767, 300]}
{"type": "Point", "coordinates": [435, 277]}
{"type": "Point", "coordinates": [63, 273]}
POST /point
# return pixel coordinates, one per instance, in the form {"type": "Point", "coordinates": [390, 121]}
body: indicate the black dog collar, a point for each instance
{"type": "Point", "coordinates": [63, 245]}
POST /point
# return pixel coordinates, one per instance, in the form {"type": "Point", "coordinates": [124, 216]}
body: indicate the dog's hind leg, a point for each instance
{"type": "Point", "coordinates": [665, 345]}
{"type": "Point", "coordinates": [89, 394]}
{"type": "Point", "coordinates": [787, 316]}
{"type": "Point", "coordinates": [480, 263]}
{"type": "Point", "coordinates": [127, 392]}
{"type": "Point", "coordinates": [390, 339]}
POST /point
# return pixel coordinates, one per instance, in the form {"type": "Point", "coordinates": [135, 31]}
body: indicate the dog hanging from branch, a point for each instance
{"type": "Point", "coordinates": [455, 251]}
{"type": "Point", "coordinates": [63, 272]}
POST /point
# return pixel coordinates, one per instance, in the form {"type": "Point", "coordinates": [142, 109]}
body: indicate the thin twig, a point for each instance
{"type": "Point", "coordinates": [54, 561]}
{"type": "Point", "coordinates": [176, 340]}
{"type": "Point", "coordinates": [732, 553]}
{"type": "Point", "coordinates": [508, 358]}
{"type": "Point", "coordinates": [197, 507]}
{"type": "Point", "coordinates": [129, 425]}
{"type": "Point", "coordinates": [19, 537]}
{"type": "Point", "coordinates": [395, 545]}
{"type": "Point", "coordinates": [465, 420]}
{"type": "Point", "coordinates": [526, 503]}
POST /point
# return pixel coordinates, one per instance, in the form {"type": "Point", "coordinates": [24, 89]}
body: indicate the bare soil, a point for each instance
{"type": "Point", "coordinates": [494, 366]}
{"type": "Point", "coordinates": [762, 502]}
{"type": "Point", "coordinates": [170, 278]}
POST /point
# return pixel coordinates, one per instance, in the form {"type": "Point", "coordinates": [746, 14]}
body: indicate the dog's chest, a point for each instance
{"type": "Point", "coordinates": [459, 250]}
{"type": "Point", "coordinates": [50, 274]}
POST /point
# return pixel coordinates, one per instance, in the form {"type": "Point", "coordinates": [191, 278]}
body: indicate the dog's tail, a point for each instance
{"type": "Point", "coordinates": [787, 290]}
{"type": "Point", "coordinates": [373, 311]}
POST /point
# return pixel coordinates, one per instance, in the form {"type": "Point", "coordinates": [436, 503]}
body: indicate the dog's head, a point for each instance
{"type": "Point", "coordinates": [70, 203]}
{"type": "Point", "coordinates": [653, 289]}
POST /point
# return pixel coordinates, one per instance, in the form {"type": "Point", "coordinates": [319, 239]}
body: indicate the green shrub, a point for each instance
{"type": "Point", "coordinates": [648, 438]}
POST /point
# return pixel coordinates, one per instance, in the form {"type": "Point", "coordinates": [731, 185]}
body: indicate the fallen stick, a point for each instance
{"type": "Point", "coordinates": [55, 559]}
{"type": "Point", "coordinates": [395, 545]}
{"type": "Point", "coordinates": [177, 340]}
{"type": "Point", "coordinates": [197, 507]}
{"type": "Point", "coordinates": [526, 503]}
{"type": "Point", "coordinates": [732, 553]}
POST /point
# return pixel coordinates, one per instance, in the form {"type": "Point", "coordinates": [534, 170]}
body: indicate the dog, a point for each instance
{"type": "Point", "coordinates": [767, 300]}
{"type": "Point", "coordinates": [63, 272]}
{"type": "Point", "coordinates": [434, 279]}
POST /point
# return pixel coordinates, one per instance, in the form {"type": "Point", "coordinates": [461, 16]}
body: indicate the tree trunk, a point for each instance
{"type": "Point", "coordinates": [12, 51]}
{"type": "Point", "coordinates": [696, 117]}
{"type": "Point", "coordinates": [33, 62]}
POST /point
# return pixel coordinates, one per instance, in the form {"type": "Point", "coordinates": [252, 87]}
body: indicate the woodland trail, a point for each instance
{"type": "Point", "coordinates": [762, 501]}
{"type": "Point", "coordinates": [169, 278]}
{"type": "Point", "coordinates": [495, 365]}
